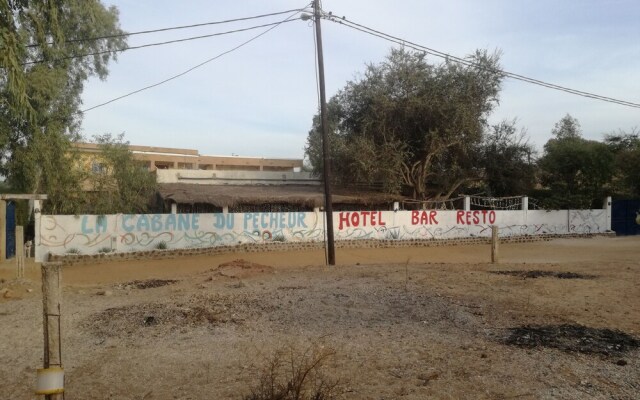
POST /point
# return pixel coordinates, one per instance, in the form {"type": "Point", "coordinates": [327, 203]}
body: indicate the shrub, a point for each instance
{"type": "Point", "coordinates": [293, 375]}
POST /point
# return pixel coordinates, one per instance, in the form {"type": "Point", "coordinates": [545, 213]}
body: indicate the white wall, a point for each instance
{"type": "Point", "coordinates": [91, 234]}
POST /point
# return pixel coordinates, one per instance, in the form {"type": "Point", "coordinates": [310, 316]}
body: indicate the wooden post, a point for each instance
{"type": "Point", "coordinates": [495, 241]}
{"type": "Point", "coordinates": [3, 230]}
{"type": "Point", "coordinates": [20, 251]}
{"type": "Point", "coordinates": [51, 300]}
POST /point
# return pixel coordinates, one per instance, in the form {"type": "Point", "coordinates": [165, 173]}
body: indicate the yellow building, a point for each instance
{"type": "Point", "coordinates": [173, 158]}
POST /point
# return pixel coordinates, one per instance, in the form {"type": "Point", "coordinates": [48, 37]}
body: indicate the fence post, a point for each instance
{"type": "Point", "coordinates": [37, 213]}
{"type": "Point", "coordinates": [607, 207]}
{"type": "Point", "coordinates": [51, 301]}
{"type": "Point", "coordinates": [495, 241]}
{"type": "Point", "coordinates": [467, 203]}
{"type": "Point", "coordinates": [3, 230]}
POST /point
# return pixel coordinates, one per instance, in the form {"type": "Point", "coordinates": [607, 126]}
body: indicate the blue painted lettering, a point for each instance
{"type": "Point", "coordinates": [156, 223]}
{"type": "Point", "coordinates": [170, 222]}
{"type": "Point", "coordinates": [183, 222]}
{"type": "Point", "coordinates": [143, 223]}
{"type": "Point", "coordinates": [85, 229]}
{"type": "Point", "coordinates": [125, 219]}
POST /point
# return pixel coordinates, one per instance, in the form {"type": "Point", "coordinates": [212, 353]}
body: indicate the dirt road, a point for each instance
{"type": "Point", "coordinates": [395, 323]}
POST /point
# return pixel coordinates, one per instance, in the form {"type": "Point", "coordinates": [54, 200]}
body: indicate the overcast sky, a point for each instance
{"type": "Point", "coordinates": [260, 100]}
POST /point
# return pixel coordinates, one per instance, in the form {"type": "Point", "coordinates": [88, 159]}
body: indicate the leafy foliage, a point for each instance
{"type": "Point", "coordinates": [121, 184]}
{"type": "Point", "coordinates": [507, 159]}
{"type": "Point", "coordinates": [578, 172]}
{"type": "Point", "coordinates": [41, 84]}
{"type": "Point", "coordinates": [409, 122]}
{"type": "Point", "coordinates": [626, 149]}
{"type": "Point", "coordinates": [567, 128]}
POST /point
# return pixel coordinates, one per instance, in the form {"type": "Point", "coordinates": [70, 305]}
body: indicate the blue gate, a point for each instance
{"type": "Point", "coordinates": [625, 217]}
{"type": "Point", "coordinates": [11, 229]}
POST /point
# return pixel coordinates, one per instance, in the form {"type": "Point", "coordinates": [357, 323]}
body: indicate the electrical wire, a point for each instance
{"type": "Point", "coordinates": [126, 34]}
{"type": "Point", "coordinates": [362, 28]}
{"type": "Point", "coordinates": [289, 18]}
{"type": "Point", "coordinates": [156, 44]}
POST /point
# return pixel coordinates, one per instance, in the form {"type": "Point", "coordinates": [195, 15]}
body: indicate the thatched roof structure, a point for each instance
{"type": "Point", "coordinates": [233, 195]}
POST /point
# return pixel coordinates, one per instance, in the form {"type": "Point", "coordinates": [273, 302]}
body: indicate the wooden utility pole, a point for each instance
{"type": "Point", "coordinates": [328, 207]}
{"type": "Point", "coordinates": [495, 241]}
{"type": "Point", "coordinates": [51, 300]}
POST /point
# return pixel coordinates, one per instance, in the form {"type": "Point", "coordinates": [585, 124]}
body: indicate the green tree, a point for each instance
{"type": "Point", "coordinates": [626, 148]}
{"type": "Point", "coordinates": [119, 184]}
{"type": "Point", "coordinates": [412, 123]}
{"type": "Point", "coordinates": [507, 161]}
{"type": "Point", "coordinates": [567, 128]}
{"type": "Point", "coordinates": [41, 82]}
{"type": "Point", "coordinates": [577, 172]}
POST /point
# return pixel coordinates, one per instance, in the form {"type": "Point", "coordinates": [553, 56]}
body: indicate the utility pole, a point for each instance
{"type": "Point", "coordinates": [328, 207]}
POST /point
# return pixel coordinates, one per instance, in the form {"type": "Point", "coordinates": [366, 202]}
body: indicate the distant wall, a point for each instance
{"type": "Point", "coordinates": [121, 233]}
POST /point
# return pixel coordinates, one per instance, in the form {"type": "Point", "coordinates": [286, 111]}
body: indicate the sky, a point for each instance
{"type": "Point", "coordinates": [260, 99]}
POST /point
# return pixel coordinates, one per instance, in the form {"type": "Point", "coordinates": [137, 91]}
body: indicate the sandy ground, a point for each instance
{"type": "Point", "coordinates": [397, 323]}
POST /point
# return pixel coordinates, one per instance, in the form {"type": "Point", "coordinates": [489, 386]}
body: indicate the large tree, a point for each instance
{"type": "Point", "coordinates": [508, 161]}
{"type": "Point", "coordinates": [576, 171]}
{"type": "Point", "coordinates": [626, 148]}
{"type": "Point", "coordinates": [116, 182]}
{"type": "Point", "coordinates": [45, 64]}
{"type": "Point", "coordinates": [407, 122]}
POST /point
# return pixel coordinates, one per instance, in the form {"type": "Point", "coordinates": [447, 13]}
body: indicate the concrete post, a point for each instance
{"type": "Point", "coordinates": [525, 207]}
{"type": "Point", "coordinates": [467, 203]}
{"type": "Point", "coordinates": [174, 208]}
{"type": "Point", "coordinates": [396, 206]}
{"type": "Point", "coordinates": [225, 210]}
{"type": "Point", "coordinates": [37, 214]}
{"type": "Point", "coordinates": [607, 207]}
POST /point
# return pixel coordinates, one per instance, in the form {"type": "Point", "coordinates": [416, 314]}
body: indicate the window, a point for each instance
{"type": "Point", "coordinates": [98, 168]}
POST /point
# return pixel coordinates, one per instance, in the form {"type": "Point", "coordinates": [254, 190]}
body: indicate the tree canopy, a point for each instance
{"type": "Point", "coordinates": [44, 63]}
{"type": "Point", "coordinates": [120, 184]}
{"type": "Point", "coordinates": [409, 122]}
{"type": "Point", "coordinates": [508, 161]}
{"type": "Point", "coordinates": [577, 171]}
{"type": "Point", "coordinates": [626, 149]}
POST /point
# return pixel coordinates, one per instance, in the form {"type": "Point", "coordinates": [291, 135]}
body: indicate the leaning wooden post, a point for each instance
{"type": "Point", "coordinates": [495, 241]}
{"type": "Point", "coordinates": [51, 378]}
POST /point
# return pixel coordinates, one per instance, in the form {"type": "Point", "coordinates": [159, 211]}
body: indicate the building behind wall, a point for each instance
{"type": "Point", "coordinates": [189, 182]}
{"type": "Point", "coordinates": [173, 158]}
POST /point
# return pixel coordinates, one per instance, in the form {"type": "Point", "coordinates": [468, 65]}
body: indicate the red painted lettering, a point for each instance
{"type": "Point", "coordinates": [414, 217]}
{"type": "Point", "coordinates": [365, 214]}
{"type": "Point", "coordinates": [492, 217]}
{"type": "Point", "coordinates": [432, 217]}
{"type": "Point", "coordinates": [476, 219]}
{"type": "Point", "coordinates": [459, 216]}
{"type": "Point", "coordinates": [355, 219]}
{"type": "Point", "coordinates": [380, 221]}
{"type": "Point", "coordinates": [343, 218]}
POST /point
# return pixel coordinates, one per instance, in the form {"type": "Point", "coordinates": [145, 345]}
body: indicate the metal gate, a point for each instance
{"type": "Point", "coordinates": [625, 217]}
{"type": "Point", "coordinates": [11, 229]}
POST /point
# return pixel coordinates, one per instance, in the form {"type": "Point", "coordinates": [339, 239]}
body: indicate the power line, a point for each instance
{"type": "Point", "coordinates": [362, 28]}
{"type": "Point", "coordinates": [288, 19]}
{"type": "Point", "coordinates": [126, 34]}
{"type": "Point", "coordinates": [157, 43]}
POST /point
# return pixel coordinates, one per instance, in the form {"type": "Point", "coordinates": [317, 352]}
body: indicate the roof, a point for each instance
{"type": "Point", "coordinates": [231, 195]}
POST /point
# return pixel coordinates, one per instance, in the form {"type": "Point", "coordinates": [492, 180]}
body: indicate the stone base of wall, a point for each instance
{"type": "Point", "coordinates": [75, 259]}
